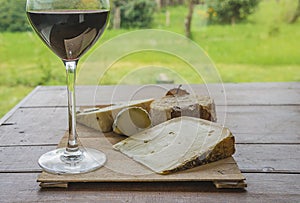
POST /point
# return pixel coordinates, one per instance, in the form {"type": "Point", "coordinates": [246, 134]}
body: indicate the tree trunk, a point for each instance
{"type": "Point", "coordinates": [296, 15]}
{"type": "Point", "coordinates": [117, 18]}
{"type": "Point", "coordinates": [233, 21]}
{"type": "Point", "coordinates": [159, 4]}
{"type": "Point", "coordinates": [167, 2]}
{"type": "Point", "coordinates": [188, 20]}
{"type": "Point", "coordinates": [168, 18]}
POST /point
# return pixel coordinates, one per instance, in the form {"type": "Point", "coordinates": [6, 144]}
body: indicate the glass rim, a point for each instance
{"type": "Point", "coordinates": [49, 5]}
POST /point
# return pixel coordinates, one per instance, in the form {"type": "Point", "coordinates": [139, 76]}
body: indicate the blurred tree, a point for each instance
{"type": "Point", "coordinates": [189, 17]}
{"type": "Point", "coordinates": [296, 15]}
{"type": "Point", "coordinates": [188, 20]}
{"type": "Point", "coordinates": [13, 16]}
{"type": "Point", "coordinates": [230, 11]}
{"type": "Point", "coordinates": [133, 13]}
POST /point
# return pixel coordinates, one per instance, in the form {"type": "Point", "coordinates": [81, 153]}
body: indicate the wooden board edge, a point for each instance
{"type": "Point", "coordinates": [230, 184]}
{"type": "Point", "coordinates": [54, 185]}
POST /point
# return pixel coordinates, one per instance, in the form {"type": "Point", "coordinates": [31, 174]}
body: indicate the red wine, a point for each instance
{"type": "Point", "coordinates": [69, 34]}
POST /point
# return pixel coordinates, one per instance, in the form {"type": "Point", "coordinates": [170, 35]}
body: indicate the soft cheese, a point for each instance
{"type": "Point", "coordinates": [102, 119]}
{"type": "Point", "coordinates": [131, 120]}
{"type": "Point", "coordinates": [179, 144]}
{"type": "Point", "coordinates": [170, 107]}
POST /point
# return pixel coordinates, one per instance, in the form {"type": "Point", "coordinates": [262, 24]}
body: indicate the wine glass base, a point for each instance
{"type": "Point", "coordinates": [53, 161]}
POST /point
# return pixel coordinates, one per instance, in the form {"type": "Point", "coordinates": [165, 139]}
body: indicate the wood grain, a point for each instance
{"type": "Point", "coordinates": [230, 94]}
{"type": "Point", "coordinates": [21, 159]}
{"type": "Point", "coordinates": [268, 158]}
{"type": "Point", "coordinates": [263, 124]}
{"type": "Point", "coordinates": [37, 126]}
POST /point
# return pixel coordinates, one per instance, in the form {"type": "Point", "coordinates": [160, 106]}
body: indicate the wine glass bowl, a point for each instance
{"type": "Point", "coordinates": [70, 28]}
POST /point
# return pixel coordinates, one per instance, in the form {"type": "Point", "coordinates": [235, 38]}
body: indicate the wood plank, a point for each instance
{"type": "Point", "coordinates": [250, 158]}
{"type": "Point", "coordinates": [230, 94]}
{"type": "Point", "coordinates": [34, 127]}
{"type": "Point", "coordinates": [22, 159]}
{"type": "Point", "coordinates": [262, 124]}
{"type": "Point", "coordinates": [268, 158]}
{"type": "Point", "coordinates": [90, 95]}
{"type": "Point", "coordinates": [261, 188]}
{"type": "Point", "coordinates": [263, 93]}
{"type": "Point", "coordinates": [249, 124]}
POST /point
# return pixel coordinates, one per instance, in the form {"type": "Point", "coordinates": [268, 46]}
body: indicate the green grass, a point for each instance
{"type": "Point", "coordinates": [265, 48]}
{"type": "Point", "coordinates": [144, 67]}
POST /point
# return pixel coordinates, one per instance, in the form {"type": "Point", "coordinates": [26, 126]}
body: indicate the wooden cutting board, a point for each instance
{"type": "Point", "coordinates": [119, 168]}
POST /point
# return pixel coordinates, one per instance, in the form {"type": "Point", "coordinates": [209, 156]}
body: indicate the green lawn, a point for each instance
{"type": "Point", "coordinates": [263, 49]}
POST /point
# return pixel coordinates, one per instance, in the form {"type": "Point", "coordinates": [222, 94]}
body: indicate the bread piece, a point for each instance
{"type": "Point", "coordinates": [179, 144]}
{"type": "Point", "coordinates": [102, 119]}
{"type": "Point", "coordinates": [171, 106]}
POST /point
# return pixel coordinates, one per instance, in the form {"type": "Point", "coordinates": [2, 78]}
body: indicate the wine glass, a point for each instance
{"type": "Point", "coordinates": [69, 28]}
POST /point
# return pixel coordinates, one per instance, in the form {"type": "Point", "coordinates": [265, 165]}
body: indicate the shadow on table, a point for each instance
{"type": "Point", "coordinates": [146, 187]}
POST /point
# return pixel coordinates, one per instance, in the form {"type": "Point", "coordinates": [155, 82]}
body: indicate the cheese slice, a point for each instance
{"type": "Point", "coordinates": [179, 144]}
{"type": "Point", "coordinates": [171, 106]}
{"type": "Point", "coordinates": [102, 118]}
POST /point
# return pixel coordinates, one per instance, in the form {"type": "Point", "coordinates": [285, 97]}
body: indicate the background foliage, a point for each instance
{"type": "Point", "coordinates": [262, 48]}
{"type": "Point", "coordinates": [135, 14]}
{"type": "Point", "coordinates": [13, 16]}
{"type": "Point", "coordinates": [230, 11]}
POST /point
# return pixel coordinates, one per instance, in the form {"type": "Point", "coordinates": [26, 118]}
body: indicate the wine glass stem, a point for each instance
{"type": "Point", "coordinates": [72, 148]}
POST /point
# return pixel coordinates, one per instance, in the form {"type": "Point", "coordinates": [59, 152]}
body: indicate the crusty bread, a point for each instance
{"type": "Point", "coordinates": [171, 106]}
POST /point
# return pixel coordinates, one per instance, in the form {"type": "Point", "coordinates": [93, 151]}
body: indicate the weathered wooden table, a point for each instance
{"type": "Point", "coordinates": [264, 117]}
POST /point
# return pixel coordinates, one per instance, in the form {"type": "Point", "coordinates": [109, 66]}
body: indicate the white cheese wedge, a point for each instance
{"type": "Point", "coordinates": [170, 107]}
{"type": "Point", "coordinates": [178, 144]}
{"type": "Point", "coordinates": [131, 120]}
{"type": "Point", "coordinates": [102, 119]}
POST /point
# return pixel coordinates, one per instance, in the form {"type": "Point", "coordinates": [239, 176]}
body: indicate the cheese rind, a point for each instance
{"type": "Point", "coordinates": [102, 119]}
{"type": "Point", "coordinates": [179, 144]}
{"type": "Point", "coordinates": [171, 106]}
{"type": "Point", "coordinates": [221, 151]}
